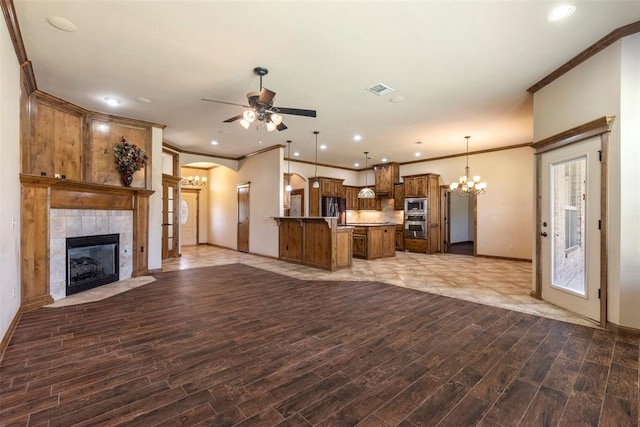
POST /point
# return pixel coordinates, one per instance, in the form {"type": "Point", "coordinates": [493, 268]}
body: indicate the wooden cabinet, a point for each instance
{"type": "Point", "coordinates": [415, 186]}
{"type": "Point", "coordinates": [386, 175]}
{"type": "Point", "coordinates": [399, 237]}
{"type": "Point", "coordinates": [374, 241]}
{"type": "Point", "coordinates": [370, 204]}
{"type": "Point", "coordinates": [316, 242]}
{"type": "Point", "coordinates": [359, 243]}
{"type": "Point", "coordinates": [426, 185]}
{"type": "Point", "coordinates": [329, 187]}
{"type": "Point", "coordinates": [398, 197]}
{"type": "Point", "coordinates": [351, 194]}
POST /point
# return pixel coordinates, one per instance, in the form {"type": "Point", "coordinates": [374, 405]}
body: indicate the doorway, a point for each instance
{"type": "Point", "coordinates": [570, 221]}
{"type": "Point", "coordinates": [170, 197]}
{"type": "Point", "coordinates": [459, 222]}
{"type": "Point", "coordinates": [243, 217]}
{"type": "Point", "coordinates": [189, 216]}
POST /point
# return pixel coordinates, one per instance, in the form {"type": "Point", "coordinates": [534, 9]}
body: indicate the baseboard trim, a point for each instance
{"type": "Point", "coordinates": [621, 329]}
{"type": "Point", "coordinates": [506, 258]}
{"type": "Point", "coordinates": [12, 326]}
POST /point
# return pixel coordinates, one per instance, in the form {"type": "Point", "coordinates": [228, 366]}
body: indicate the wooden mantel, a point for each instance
{"type": "Point", "coordinates": [40, 194]}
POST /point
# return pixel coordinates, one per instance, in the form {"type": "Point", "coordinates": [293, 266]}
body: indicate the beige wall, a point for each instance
{"type": "Point", "coordinates": [607, 84]}
{"type": "Point", "coordinates": [264, 173]}
{"type": "Point", "coordinates": [9, 176]}
{"type": "Point", "coordinates": [203, 210]}
{"type": "Point", "coordinates": [505, 212]}
{"type": "Point", "coordinates": [155, 202]}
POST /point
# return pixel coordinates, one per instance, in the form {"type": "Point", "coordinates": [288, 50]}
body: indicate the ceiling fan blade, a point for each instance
{"type": "Point", "coordinates": [233, 119]}
{"type": "Point", "coordinates": [281, 127]}
{"type": "Point", "coordinates": [266, 96]}
{"type": "Point", "coordinates": [224, 102]}
{"type": "Point", "coordinates": [297, 111]}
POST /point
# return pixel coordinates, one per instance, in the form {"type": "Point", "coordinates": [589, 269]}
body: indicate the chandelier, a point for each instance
{"type": "Point", "coordinates": [194, 181]}
{"type": "Point", "coordinates": [468, 185]}
{"type": "Point", "coordinates": [366, 192]}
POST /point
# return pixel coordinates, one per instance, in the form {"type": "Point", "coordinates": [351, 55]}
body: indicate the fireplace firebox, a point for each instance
{"type": "Point", "coordinates": [92, 261]}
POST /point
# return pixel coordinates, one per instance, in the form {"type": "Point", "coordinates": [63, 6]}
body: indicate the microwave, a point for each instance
{"type": "Point", "coordinates": [412, 205]}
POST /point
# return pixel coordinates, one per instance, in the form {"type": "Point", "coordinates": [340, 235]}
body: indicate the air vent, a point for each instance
{"type": "Point", "coordinates": [380, 89]}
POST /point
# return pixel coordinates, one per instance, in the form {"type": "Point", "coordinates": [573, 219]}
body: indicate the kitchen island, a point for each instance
{"type": "Point", "coordinates": [373, 240]}
{"type": "Point", "coordinates": [315, 241]}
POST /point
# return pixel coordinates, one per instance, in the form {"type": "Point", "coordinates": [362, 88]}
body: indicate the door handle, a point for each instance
{"type": "Point", "coordinates": [543, 234]}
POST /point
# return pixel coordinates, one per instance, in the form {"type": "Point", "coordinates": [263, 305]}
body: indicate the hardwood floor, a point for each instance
{"type": "Point", "coordinates": [237, 345]}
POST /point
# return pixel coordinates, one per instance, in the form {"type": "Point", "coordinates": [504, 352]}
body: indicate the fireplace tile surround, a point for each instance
{"type": "Point", "coordinates": [65, 223]}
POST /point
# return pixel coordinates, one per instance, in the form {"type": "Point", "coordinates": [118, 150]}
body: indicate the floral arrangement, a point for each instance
{"type": "Point", "coordinates": [130, 158]}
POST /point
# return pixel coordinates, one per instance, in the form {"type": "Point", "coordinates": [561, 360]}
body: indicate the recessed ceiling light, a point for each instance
{"type": "Point", "coordinates": [143, 100]}
{"type": "Point", "coordinates": [296, 154]}
{"type": "Point", "coordinates": [397, 99]}
{"type": "Point", "coordinates": [561, 12]}
{"type": "Point", "coordinates": [357, 137]}
{"type": "Point", "coordinates": [214, 142]}
{"type": "Point", "coordinates": [323, 147]}
{"type": "Point", "coordinates": [417, 154]}
{"type": "Point", "coordinates": [61, 24]}
{"type": "Point", "coordinates": [384, 159]}
{"type": "Point", "coordinates": [356, 164]}
{"type": "Point", "coordinates": [112, 101]}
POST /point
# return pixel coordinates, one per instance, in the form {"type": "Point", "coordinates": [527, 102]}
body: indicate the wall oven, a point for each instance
{"type": "Point", "coordinates": [415, 205]}
{"type": "Point", "coordinates": [415, 226]}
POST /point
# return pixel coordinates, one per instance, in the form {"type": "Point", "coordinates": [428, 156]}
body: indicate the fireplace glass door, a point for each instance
{"type": "Point", "coordinates": [92, 261]}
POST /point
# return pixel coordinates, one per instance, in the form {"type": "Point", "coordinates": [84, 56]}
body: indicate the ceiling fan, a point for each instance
{"type": "Point", "coordinates": [261, 108]}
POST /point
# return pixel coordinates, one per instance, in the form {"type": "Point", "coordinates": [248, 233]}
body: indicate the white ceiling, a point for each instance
{"type": "Point", "coordinates": [462, 67]}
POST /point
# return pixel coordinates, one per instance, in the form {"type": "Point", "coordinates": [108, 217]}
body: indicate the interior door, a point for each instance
{"type": "Point", "coordinates": [243, 218]}
{"type": "Point", "coordinates": [170, 197]}
{"type": "Point", "coordinates": [189, 205]}
{"type": "Point", "coordinates": [445, 231]}
{"type": "Point", "coordinates": [570, 216]}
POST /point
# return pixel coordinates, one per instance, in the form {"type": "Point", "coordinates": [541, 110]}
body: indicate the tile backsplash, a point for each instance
{"type": "Point", "coordinates": [387, 214]}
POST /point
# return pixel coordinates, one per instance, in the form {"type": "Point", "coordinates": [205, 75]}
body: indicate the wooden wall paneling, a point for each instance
{"type": "Point", "coordinates": [26, 130]}
{"type": "Point", "coordinates": [291, 240]}
{"type": "Point", "coordinates": [41, 149]}
{"type": "Point", "coordinates": [67, 144]}
{"type": "Point", "coordinates": [100, 158]}
{"type": "Point", "coordinates": [35, 246]}
{"type": "Point", "coordinates": [69, 199]}
{"type": "Point", "coordinates": [317, 244]}
{"type": "Point", "coordinates": [141, 234]}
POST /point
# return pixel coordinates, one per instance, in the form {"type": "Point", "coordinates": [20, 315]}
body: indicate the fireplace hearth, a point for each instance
{"type": "Point", "coordinates": [92, 261]}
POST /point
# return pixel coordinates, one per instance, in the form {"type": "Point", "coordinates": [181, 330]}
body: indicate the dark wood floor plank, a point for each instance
{"type": "Point", "coordinates": [236, 345]}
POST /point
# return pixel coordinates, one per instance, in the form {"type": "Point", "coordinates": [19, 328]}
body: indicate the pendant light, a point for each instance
{"type": "Point", "coordinates": [468, 185]}
{"type": "Point", "coordinates": [316, 183]}
{"type": "Point", "coordinates": [288, 187]}
{"type": "Point", "coordinates": [366, 192]}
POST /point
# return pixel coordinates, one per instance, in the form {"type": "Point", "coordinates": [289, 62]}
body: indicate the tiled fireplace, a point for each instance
{"type": "Point", "coordinates": [72, 223]}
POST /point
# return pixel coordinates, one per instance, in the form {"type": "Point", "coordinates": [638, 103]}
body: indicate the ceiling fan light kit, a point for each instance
{"type": "Point", "coordinates": [261, 108]}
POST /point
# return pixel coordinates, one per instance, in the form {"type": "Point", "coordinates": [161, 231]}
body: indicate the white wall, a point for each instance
{"type": "Point", "coordinates": [10, 293]}
{"type": "Point", "coordinates": [154, 251]}
{"type": "Point", "coordinates": [607, 84]}
{"type": "Point", "coordinates": [505, 212]}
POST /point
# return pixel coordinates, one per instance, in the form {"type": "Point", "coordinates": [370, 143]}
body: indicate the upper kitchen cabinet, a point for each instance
{"type": "Point", "coordinates": [398, 197]}
{"type": "Point", "coordinates": [387, 175]}
{"type": "Point", "coordinates": [351, 194]}
{"type": "Point", "coordinates": [329, 187]}
{"type": "Point", "coordinates": [415, 186]}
